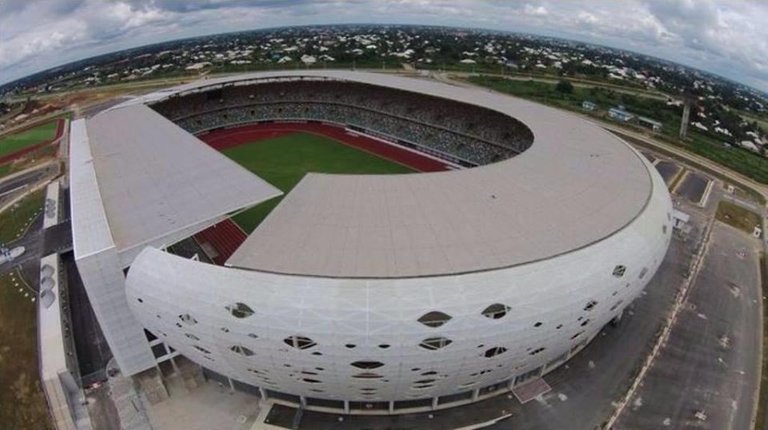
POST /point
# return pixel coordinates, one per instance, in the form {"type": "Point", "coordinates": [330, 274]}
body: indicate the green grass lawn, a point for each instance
{"type": "Point", "coordinates": [737, 159]}
{"type": "Point", "coordinates": [284, 160]}
{"type": "Point", "coordinates": [22, 399]}
{"type": "Point", "coordinates": [737, 216]}
{"type": "Point", "coordinates": [605, 98]}
{"type": "Point", "coordinates": [16, 141]}
{"type": "Point", "coordinates": [14, 221]}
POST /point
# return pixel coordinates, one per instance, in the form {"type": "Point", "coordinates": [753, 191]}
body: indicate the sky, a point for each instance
{"type": "Point", "coordinates": [727, 37]}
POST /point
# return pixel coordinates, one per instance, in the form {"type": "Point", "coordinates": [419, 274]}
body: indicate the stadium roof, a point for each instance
{"type": "Point", "coordinates": [137, 179]}
{"type": "Point", "coordinates": [576, 185]}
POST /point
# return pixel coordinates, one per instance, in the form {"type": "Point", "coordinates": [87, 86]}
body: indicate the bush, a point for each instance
{"type": "Point", "coordinates": [564, 86]}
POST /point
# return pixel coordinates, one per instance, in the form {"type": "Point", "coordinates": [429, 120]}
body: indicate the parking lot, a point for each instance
{"type": "Point", "coordinates": [693, 187]}
{"type": "Point", "coordinates": [706, 376]}
{"type": "Point", "coordinates": [682, 181]}
{"type": "Point", "coordinates": [668, 170]}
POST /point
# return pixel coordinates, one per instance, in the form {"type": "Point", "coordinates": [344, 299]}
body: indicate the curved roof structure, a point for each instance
{"type": "Point", "coordinates": [425, 272]}
{"type": "Point", "coordinates": [576, 185]}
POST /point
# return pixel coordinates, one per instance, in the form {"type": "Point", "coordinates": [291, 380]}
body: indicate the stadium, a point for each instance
{"type": "Point", "coordinates": [358, 242]}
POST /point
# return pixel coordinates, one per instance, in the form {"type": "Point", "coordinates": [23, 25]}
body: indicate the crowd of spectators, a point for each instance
{"type": "Point", "coordinates": [473, 134]}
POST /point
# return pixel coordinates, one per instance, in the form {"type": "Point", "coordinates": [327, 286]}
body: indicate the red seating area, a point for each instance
{"type": "Point", "coordinates": [225, 237]}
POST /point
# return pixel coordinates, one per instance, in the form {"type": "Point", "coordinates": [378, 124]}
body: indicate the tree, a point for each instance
{"type": "Point", "coordinates": [564, 86]}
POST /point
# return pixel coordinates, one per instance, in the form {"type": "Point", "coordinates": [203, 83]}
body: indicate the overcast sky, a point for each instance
{"type": "Point", "coordinates": [728, 37]}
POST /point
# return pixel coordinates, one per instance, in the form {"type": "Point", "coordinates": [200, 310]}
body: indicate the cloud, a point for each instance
{"type": "Point", "coordinates": [535, 10]}
{"type": "Point", "coordinates": [586, 18]}
{"type": "Point", "coordinates": [725, 36]}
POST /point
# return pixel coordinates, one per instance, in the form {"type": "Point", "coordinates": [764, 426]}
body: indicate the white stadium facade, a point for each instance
{"type": "Point", "coordinates": [364, 293]}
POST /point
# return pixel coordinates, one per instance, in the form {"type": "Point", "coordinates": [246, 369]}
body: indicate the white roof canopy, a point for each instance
{"type": "Point", "coordinates": [157, 183]}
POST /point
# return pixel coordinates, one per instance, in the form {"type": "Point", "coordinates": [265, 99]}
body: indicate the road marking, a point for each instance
{"type": "Point", "coordinates": [13, 190]}
{"type": "Point", "coordinates": [680, 302]}
{"type": "Point", "coordinates": [703, 202]}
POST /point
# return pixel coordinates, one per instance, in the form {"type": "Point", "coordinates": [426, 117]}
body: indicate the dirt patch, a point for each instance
{"type": "Point", "coordinates": [737, 216]}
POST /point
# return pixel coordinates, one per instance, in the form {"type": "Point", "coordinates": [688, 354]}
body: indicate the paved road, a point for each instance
{"type": "Point", "coordinates": [91, 110]}
{"type": "Point", "coordinates": [14, 183]}
{"type": "Point", "coordinates": [33, 244]}
{"type": "Point", "coordinates": [710, 364]}
{"type": "Point", "coordinates": [29, 177]}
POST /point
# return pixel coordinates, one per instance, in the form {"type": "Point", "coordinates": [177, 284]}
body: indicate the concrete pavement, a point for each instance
{"type": "Point", "coordinates": [707, 375]}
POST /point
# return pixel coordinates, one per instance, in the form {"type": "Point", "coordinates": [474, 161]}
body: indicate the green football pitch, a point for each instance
{"type": "Point", "coordinates": [14, 142]}
{"type": "Point", "coordinates": [284, 160]}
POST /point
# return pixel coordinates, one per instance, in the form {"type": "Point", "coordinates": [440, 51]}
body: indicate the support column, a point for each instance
{"type": "Point", "coordinates": [391, 407]}
{"type": "Point", "coordinates": [617, 319]}
{"type": "Point", "coordinates": [435, 401]}
{"type": "Point", "coordinates": [346, 406]}
{"type": "Point", "coordinates": [475, 394]}
{"type": "Point", "coordinates": [263, 393]}
{"type": "Point", "coordinates": [231, 385]}
{"type": "Point", "coordinates": [175, 366]}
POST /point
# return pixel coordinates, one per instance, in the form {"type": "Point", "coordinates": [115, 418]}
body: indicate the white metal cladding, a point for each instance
{"type": "Point", "coordinates": [185, 303]}
{"type": "Point", "coordinates": [160, 184]}
{"type": "Point", "coordinates": [98, 262]}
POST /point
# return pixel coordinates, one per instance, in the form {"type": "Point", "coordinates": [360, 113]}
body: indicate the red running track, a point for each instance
{"type": "Point", "coordinates": [228, 138]}
{"type": "Point", "coordinates": [27, 150]}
